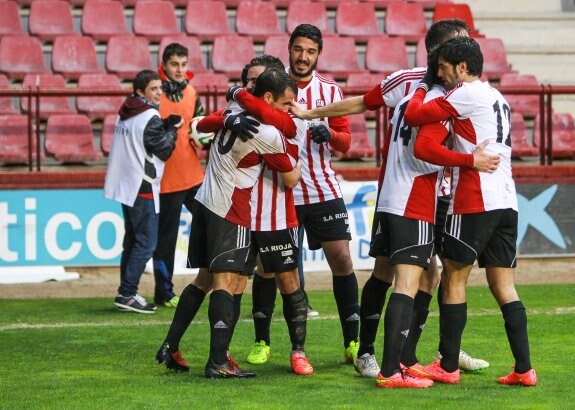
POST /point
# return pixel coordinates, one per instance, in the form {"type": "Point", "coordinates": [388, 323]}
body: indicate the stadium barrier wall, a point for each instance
{"type": "Point", "coordinates": [79, 227]}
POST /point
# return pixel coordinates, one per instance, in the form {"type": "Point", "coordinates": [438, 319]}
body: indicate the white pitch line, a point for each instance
{"type": "Point", "coordinates": [486, 312]}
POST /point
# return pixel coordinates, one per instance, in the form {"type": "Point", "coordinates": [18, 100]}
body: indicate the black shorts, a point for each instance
{"type": "Point", "coordinates": [440, 218]}
{"type": "Point", "coordinates": [403, 240]}
{"type": "Point", "coordinates": [490, 237]}
{"type": "Point", "coordinates": [216, 243]}
{"type": "Point", "coordinates": [324, 222]}
{"type": "Point", "coordinates": [278, 250]}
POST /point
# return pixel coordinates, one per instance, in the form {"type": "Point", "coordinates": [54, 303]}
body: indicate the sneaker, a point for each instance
{"type": "Point", "coordinates": [231, 360]}
{"type": "Point", "coordinates": [434, 371]}
{"type": "Point", "coordinates": [260, 353]}
{"type": "Point", "coordinates": [529, 378]}
{"type": "Point", "coordinates": [300, 364]}
{"type": "Point", "coordinates": [468, 363]}
{"type": "Point", "coordinates": [401, 380]}
{"type": "Point", "coordinates": [350, 352]}
{"type": "Point", "coordinates": [311, 312]}
{"type": "Point", "coordinates": [134, 303]}
{"type": "Point", "coordinates": [172, 360]}
{"type": "Point", "coordinates": [172, 303]}
{"type": "Point", "coordinates": [225, 371]}
{"type": "Point", "coordinates": [366, 365]}
{"type": "Point", "coordinates": [416, 370]}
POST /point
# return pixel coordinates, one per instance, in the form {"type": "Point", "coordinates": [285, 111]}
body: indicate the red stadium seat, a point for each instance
{"type": "Point", "coordinates": [364, 81]}
{"type": "Point", "coordinates": [360, 146]}
{"type": "Point", "coordinates": [257, 19]}
{"type": "Point", "coordinates": [429, 4]}
{"type": "Point", "coordinates": [386, 54]}
{"type": "Point", "coordinates": [6, 106]}
{"type": "Point", "coordinates": [406, 20]}
{"type": "Point", "coordinates": [206, 19]}
{"type": "Point", "coordinates": [10, 23]}
{"type": "Point", "coordinates": [127, 55]}
{"type": "Point", "coordinates": [494, 57]}
{"type": "Point", "coordinates": [69, 139]}
{"type": "Point", "coordinates": [356, 20]}
{"type": "Point", "coordinates": [520, 147]}
{"type": "Point", "coordinates": [99, 106]}
{"type": "Point", "coordinates": [15, 63]}
{"type": "Point", "coordinates": [277, 46]}
{"type": "Point", "coordinates": [210, 82]}
{"type": "Point", "coordinates": [195, 63]}
{"type": "Point", "coordinates": [299, 12]}
{"type": "Point", "coordinates": [420, 53]}
{"type": "Point", "coordinates": [527, 105]}
{"type": "Point", "coordinates": [14, 139]}
{"type": "Point", "coordinates": [286, 3]}
{"type": "Point", "coordinates": [563, 134]}
{"type": "Point", "coordinates": [155, 19]}
{"type": "Point", "coordinates": [101, 29]}
{"type": "Point", "coordinates": [107, 133]}
{"type": "Point", "coordinates": [231, 53]}
{"type": "Point", "coordinates": [73, 56]}
{"type": "Point", "coordinates": [49, 19]}
{"type": "Point", "coordinates": [48, 105]}
{"type": "Point", "coordinates": [338, 57]}
{"type": "Point", "coordinates": [461, 11]}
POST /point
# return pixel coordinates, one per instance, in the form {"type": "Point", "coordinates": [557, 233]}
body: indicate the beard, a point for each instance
{"type": "Point", "coordinates": [295, 73]}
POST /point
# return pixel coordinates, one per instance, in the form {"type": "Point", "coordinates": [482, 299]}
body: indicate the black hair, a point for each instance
{"type": "Point", "coordinates": [309, 31]}
{"type": "Point", "coordinates": [264, 60]}
{"type": "Point", "coordinates": [143, 78]}
{"type": "Point", "coordinates": [174, 49]}
{"type": "Point", "coordinates": [274, 81]}
{"type": "Point", "coordinates": [463, 49]}
{"type": "Point", "coordinates": [442, 30]}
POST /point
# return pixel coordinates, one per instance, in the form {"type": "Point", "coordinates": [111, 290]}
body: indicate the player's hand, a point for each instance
{"type": "Point", "coordinates": [484, 162]}
{"type": "Point", "coordinates": [430, 77]}
{"type": "Point", "coordinates": [242, 126]}
{"type": "Point", "coordinates": [320, 134]}
{"type": "Point", "coordinates": [232, 92]}
{"type": "Point", "coordinates": [296, 110]}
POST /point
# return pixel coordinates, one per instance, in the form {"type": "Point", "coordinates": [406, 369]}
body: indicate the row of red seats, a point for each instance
{"type": "Point", "coordinates": [207, 19]}
{"type": "Point", "coordinates": [128, 54]}
{"type": "Point", "coordinates": [98, 107]}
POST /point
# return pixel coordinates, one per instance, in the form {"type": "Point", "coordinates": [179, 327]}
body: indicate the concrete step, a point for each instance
{"type": "Point", "coordinates": [525, 6]}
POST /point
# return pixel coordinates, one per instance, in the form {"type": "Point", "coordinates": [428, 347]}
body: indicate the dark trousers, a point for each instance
{"type": "Point", "coordinates": [168, 227]}
{"type": "Point", "coordinates": [141, 233]}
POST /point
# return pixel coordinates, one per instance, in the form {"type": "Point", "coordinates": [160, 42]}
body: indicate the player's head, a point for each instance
{"type": "Point", "coordinates": [147, 84]}
{"type": "Point", "coordinates": [276, 88]}
{"type": "Point", "coordinates": [305, 45]}
{"type": "Point", "coordinates": [175, 61]}
{"type": "Point", "coordinates": [443, 30]}
{"type": "Point", "coordinates": [459, 59]}
{"type": "Point", "coordinates": [256, 66]}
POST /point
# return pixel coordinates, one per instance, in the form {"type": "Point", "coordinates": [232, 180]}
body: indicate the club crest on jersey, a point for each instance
{"type": "Point", "coordinates": [320, 102]}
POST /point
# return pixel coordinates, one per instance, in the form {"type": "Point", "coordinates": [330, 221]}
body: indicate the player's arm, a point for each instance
{"type": "Point", "coordinates": [340, 135]}
{"type": "Point", "coordinates": [199, 108]}
{"type": "Point", "coordinates": [418, 113]}
{"type": "Point", "coordinates": [282, 163]}
{"type": "Point", "coordinates": [348, 106]}
{"type": "Point", "coordinates": [211, 123]}
{"type": "Point", "coordinates": [429, 148]}
{"type": "Point", "coordinates": [291, 178]}
{"type": "Point", "coordinates": [266, 114]}
{"type": "Point", "coordinates": [160, 139]}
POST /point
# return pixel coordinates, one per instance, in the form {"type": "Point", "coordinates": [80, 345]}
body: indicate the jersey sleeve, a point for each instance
{"type": "Point", "coordinates": [429, 148]}
{"type": "Point", "coordinates": [211, 123]}
{"type": "Point", "coordinates": [266, 114]}
{"type": "Point", "coordinates": [418, 113]}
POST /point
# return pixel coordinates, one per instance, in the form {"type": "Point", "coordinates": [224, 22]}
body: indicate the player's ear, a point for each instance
{"type": "Point", "coordinates": [268, 97]}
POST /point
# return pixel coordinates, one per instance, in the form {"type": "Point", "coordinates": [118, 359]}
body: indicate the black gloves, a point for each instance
{"type": "Point", "coordinates": [231, 94]}
{"type": "Point", "coordinates": [172, 120]}
{"type": "Point", "coordinates": [320, 134]}
{"type": "Point", "coordinates": [431, 74]}
{"type": "Point", "coordinates": [242, 126]}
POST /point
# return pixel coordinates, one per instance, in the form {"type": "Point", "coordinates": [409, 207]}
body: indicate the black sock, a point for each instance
{"type": "Point", "coordinates": [237, 310]}
{"type": "Point", "coordinates": [295, 314]}
{"type": "Point", "coordinates": [221, 315]}
{"type": "Point", "coordinates": [263, 300]}
{"type": "Point", "coordinates": [346, 298]}
{"type": "Point", "coordinates": [439, 304]}
{"type": "Point", "coordinates": [516, 329]}
{"type": "Point", "coordinates": [418, 319]}
{"type": "Point", "coordinates": [190, 301]}
{"type": "Point", "coordinates": [372, 301]}
{"type": "Point", "coordinates": [452, 320]}
{"type": "Point", "coordinates": [396, 327]}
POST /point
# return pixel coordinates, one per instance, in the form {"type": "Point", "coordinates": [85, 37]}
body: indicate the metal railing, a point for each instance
{"type": "Point", "coordinates": [211, 95]}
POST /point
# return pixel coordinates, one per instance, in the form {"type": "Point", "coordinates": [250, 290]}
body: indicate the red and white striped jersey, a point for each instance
{"type": "Point", "coordinates": [393, 88]}
{"type": "Point", "coordinates": [272, 204]}
{"type": "Point", "coordinates": [235, 166]}
{"type": "Point", "coordinates": [318, 182]}
{"type": "Point", "coordinates": [410, 185]}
